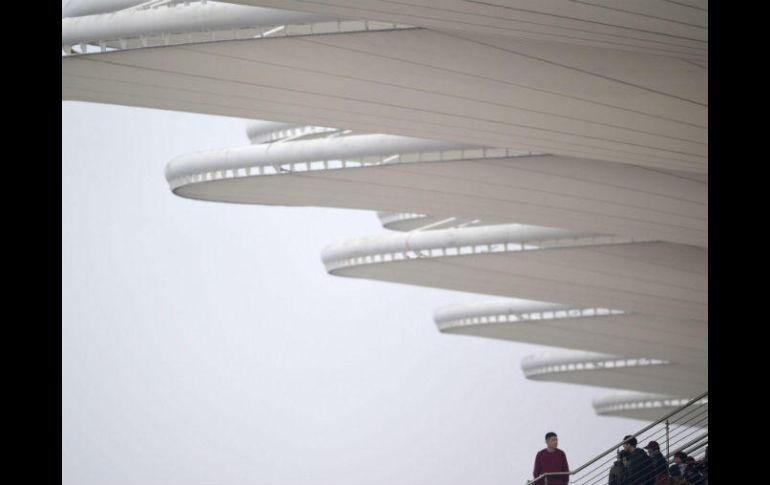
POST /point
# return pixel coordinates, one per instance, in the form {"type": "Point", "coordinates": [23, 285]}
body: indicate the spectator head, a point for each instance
{"type": "Point", "coordinates": [680, 457]}
{"type": "Point", "coordinates": [652, 447]}
{"type": "Point", "coordinates": [551, 440]}
{"type": "Point", "coordinates": [622, 455]}
{"type": "Point", "coordinates": [629, 443]}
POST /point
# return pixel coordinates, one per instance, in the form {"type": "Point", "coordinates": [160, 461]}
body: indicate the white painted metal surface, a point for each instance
{"type": "Point", "coordinates": [393, 173]}
{"type": "Point", "coordinates": [647, 406]}
{"type": "Point", "coordinates": [507, 93]}
{"type": "Point", "coordinates": [677, 29]}
{"type": "Point", "coordinates": [579, 328]}
{"type": "Point", "coordinates": [653, 278]}
{"type": "Point", "coordinates": [604, 370]}
{"type": "Point", "coordinates": [195, 17]}
{"type": "Point", "coordinates": [612, 101]}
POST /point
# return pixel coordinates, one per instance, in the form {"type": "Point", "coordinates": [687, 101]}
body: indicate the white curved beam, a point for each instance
{"type": "Point", "coordinates": [503, 238]}
{"type": "Point", "coordinates": [604, 370]}
{"type": "Point", "coordinates": [300, 156]}
{"type": "Point", "coordinates": [592, 329]}
{"type": "Point", "coordinates": [653, 278]}
{"type": "Point", "coordinates": [649, 407]}
{"type": "Point", "coordinates": [384, 172]}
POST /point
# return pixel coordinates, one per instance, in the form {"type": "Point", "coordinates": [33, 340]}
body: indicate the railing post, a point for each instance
{"type": "Point", "coordinates": [668, 451]}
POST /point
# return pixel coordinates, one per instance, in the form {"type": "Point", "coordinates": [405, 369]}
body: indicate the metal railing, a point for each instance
{"type": "Point", "coordinates": [685, 429]}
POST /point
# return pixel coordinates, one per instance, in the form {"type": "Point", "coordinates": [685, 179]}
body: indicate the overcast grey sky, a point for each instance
{"type": "Point", "coordinates": [204, 343]}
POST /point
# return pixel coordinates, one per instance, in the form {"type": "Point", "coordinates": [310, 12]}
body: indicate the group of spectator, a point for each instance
{"type": "Point", "coordinates": [635, 467]}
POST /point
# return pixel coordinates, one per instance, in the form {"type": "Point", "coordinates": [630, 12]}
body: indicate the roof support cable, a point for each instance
{"type": "Point", "coordinates": [469, 223]}
{"type": "Point", "coordinates": [420, 254]}
{"type": "Point", "coordinates": [271, 31]}
{"type": "Point", "coordinates": [434, 224]}
{"type": "Point", "coordinates": [148, 5]}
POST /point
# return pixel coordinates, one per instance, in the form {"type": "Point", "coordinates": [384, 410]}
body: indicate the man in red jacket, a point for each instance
{"type": "Point", "coordinates": [551, 459]}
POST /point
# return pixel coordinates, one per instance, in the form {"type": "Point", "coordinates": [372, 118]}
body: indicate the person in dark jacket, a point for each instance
{"type": "Point", "coordinates": [691, 472]}
{"type": "Point", "coordinates": [618, 469]}
{"type": "Point", "coordinates": [677, 469]}
{"type": "Point", "coordinates": [639, 470]}
{"type": "Point", "coordinates": [704, 466]}
{"type": "Point", "coordinates": [659, 465]}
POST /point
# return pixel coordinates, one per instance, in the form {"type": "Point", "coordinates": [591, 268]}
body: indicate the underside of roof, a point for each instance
{"type": "Point", "coordinates": [651, 407]}
{"type": "Point", "coordinates": [491, 91]}
{"type": "Point", "coordinates": [602, 370]}
{"type": "Point", "coordinates": [541, 149]}
{"type": "Point", "coordinates": [650, 278]}
{"type": "Point", "coordinates": [627, 334]}
{"type": "Point", "coordinates": [544, 190]}
{"type": "Point", "coordinates": [677, 29]}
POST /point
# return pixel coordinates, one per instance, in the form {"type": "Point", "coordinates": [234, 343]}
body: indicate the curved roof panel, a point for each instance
{"type": "Point", "coordinates": [508, 93]}
{"type": "Point", "coordinates": [650, 407]}
{"type": "Point", "coordinates": [589, 118]}
{"type": "Point", "coordinates": [653, 278]}
{"type": "Point", "coordinates": [592, 329]}
{"type": "Point", "coordinates": [659, 27]}
{"type": "Point", "coordinates": [391, 173]}
{"type": "Point", "coordinates": [604, 370]}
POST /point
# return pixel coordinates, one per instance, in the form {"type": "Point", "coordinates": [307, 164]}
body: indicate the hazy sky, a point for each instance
{"type": "Point", "coordinates": [204, 343]}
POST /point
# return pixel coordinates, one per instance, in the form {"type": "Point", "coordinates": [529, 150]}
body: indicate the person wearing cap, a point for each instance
{"type": "Point", "coordinates": [659, 465]}
{"type": "Point", "coordinates": [551, 459]}
{"type": "Point", "coordinates": [639, 469]}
